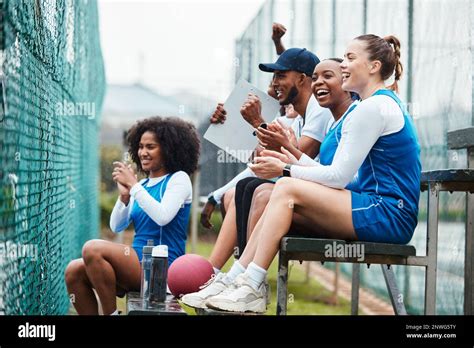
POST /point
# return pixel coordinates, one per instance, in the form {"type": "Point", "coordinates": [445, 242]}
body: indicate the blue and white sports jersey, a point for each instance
{"type": "Point", "coordinates": [386, 208]}
{"type": "Point", "coordinates": [173, 234]}
{"type": "Point", "coordinates": [379, 143]}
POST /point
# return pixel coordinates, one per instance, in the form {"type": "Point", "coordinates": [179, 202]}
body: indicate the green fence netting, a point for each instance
{"type": "Point", "coordinates": [52, 87]}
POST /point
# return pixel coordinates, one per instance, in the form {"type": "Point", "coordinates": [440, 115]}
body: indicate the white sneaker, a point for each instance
{"type": "Point", "coordinates": [241, 299]}
{"type": "Point", "coordinates": [214, 286]}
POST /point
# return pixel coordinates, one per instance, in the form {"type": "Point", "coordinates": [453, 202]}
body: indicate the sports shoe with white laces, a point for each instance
{"type": "Point", "coordinates": [241, 299]}
{"type": "Point", "coordinates": [214, 286]}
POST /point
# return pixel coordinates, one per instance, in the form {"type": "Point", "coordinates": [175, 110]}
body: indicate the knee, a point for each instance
{"type": "Point", "coordinates": [284, 186]}
{"type": "Point", "coordinates": [228, 198]}
{"type": "Point", "coordinates": [92, 250]}
{"type": "Point", "coordinates": [241, 184]}
{"type": "Point", "coordinates": [261, 197]}
{"type": "Point", "coordinates": [74, 271]}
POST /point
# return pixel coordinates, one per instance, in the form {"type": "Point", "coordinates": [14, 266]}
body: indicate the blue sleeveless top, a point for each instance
{"type": "Point", "coordinates": [173, 234]}
{"type": "Point", "coordinates": [331, 142]}
{"type": "Point", "coordinates": [389, 181]}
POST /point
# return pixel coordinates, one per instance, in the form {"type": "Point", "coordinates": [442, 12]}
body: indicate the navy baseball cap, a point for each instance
{"type": "Point", "coordinates": [297, 59]}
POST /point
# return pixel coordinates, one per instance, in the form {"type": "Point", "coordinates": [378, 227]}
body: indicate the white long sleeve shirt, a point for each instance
{"type": "Point", "coordinates": [177, 193]}
{"type": "Point", "coordinates": [314, 125]}
{"type": "Point", "coordinates": [374, 117]}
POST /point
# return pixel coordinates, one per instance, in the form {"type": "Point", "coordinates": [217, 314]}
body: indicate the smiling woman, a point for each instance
{"type": "Point", "coordinates": [176, 143]}
{"type": "Point", "coordinates": [167, 151]}
{"type": "Point", "coordinates": [380, 147]}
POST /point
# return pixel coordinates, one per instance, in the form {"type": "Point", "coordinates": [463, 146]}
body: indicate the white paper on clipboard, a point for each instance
{"type": "Point", "coordinates": [235, 135]}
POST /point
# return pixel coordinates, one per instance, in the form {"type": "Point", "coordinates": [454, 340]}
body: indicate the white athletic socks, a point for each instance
{"type": "Point", "coordinates": [256, 275]}
{"type": "Point", "coordinates": [216, 270]}
{"type": "Point", "coordinates": [116, 312]}
{"type": "Point", "coordinates": [235, 270]}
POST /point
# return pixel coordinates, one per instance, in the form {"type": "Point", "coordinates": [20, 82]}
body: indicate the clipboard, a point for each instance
{"type": "Point", "coordinates": [235, 136]}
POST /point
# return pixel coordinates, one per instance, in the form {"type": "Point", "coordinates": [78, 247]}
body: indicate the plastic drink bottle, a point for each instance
{"type": "Point", "coordinates": [159, 273]}
{"type": "Point", "coordinates": [146, 269]}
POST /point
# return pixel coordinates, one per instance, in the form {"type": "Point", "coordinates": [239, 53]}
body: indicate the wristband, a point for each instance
{"type": "Point", "coordinates": [212, 200]}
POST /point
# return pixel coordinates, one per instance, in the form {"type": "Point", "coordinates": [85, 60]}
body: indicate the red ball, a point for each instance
{"type": "Point", "coordinates": [187, 273]}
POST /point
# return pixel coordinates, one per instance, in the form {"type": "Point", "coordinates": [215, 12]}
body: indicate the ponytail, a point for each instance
{"type": "Point", "coordinates": [398, 68]}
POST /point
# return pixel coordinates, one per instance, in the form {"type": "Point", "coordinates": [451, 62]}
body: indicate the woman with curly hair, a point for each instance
{"type": "Point", "coordinates": [167, 151]}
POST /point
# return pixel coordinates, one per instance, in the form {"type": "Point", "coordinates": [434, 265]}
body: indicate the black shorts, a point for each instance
{"type": "Point", "coordinates": [243, 200]}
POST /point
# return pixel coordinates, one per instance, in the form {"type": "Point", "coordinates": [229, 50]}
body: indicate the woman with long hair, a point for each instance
{"type": "Point", "coordinates": [378, 143]}
{"type": "Point", "coordinates": [166, 150]}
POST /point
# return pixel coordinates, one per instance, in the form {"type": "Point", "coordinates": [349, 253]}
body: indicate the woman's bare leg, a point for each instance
{"type": "Point", "coordinates": [260, 199]}
{"type": "Point", "coordinates": [227, 237]}
{"type": "Point", "coordinates": [225, 200]}
{"type": "Point", "coordinates": [299, 223]}
{"type": "Point", "coordinates": [329, 209]}
{"type": "Point", "coordinates": [252, 243]}
{"type": "Point", "coordinates": [79, 288]}
{"type": "Point", "coordinates": [108, 266]}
